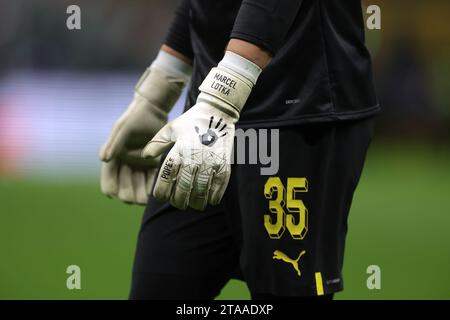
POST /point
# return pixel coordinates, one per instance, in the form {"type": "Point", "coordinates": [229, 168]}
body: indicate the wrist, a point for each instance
{"type": "Point", "coordinates": [162, 83]}
{"type": "Point", "coordinates": [241, 65]}
{"type": "Point", "coordinates": [231, 82]}
{"type": "Point", "coordinates": [173, 65]}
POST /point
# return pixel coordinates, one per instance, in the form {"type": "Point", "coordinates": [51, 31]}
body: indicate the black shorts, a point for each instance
{"type": "Point", "coordinates": [283, 234]}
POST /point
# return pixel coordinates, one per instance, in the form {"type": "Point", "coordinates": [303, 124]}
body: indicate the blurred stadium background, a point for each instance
{"type": "Point", "coordinates": [61, 90]}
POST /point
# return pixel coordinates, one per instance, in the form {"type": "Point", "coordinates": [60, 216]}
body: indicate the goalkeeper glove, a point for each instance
{"type": "Point", "coordinates": [197, 169]}
{"type": "Point", "coordinates": [124, 173]}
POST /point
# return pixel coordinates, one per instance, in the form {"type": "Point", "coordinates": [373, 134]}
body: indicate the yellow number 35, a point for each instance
{"type": "Point", "coordinates": [275, 192]}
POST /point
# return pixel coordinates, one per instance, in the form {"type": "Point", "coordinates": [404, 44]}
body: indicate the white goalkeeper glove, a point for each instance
{"type": "Point", "coordinates": [125, 174]}
{"type": "Point", "coordinates": [197, 169]}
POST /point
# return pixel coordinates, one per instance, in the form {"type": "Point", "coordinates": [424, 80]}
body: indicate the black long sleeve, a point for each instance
{"type": "Point", "coordinates": [321, 69]}
{"type": "Point", "coordinates": [265, 23]}
{"type": "Point", "coordinates": [179, 37]}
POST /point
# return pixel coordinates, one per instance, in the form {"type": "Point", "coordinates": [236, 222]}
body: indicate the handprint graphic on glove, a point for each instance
{"type": "Point", "coordinates": [212, 135]}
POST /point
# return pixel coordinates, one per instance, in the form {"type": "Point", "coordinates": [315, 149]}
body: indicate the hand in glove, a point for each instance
{"type": "Point", "coordinates": [124, 173]}
{"type": "Point", "coordinates": [196, 171]}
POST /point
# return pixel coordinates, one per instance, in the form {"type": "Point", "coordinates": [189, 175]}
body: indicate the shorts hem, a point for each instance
{"type": "Point", "coordinates": [301, 292]}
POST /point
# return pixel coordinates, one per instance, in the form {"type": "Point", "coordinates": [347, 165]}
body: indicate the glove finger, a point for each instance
{"type": "Point", "coordinates": [115, 143]}
{"type": "Point", "coordinates": [139, 187]}
{"type": "Point", "coordinates": [150, 179]}
{"type": "Point", "coordinates": [218, 186]}
{"type": "Point", "coordinates": [126, 192]}
{"type": "Point", "coordinates": [134, 159]}
{"type": "Point", "coordinates": [167, 176]}
{"type": "Point", "coordinates": [109, 176]}
{"type": "Point", "coordinates": [183, 187]}
{"type": "Point", "coordinates": [161, 142]}
{"type": "Point", "coordinates": [102, 153]}
{"type": "Point", "coordinates": [200, 192]}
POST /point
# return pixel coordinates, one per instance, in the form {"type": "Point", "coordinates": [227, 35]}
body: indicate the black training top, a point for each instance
{"type": "Point", "coordinates": [321, 70]}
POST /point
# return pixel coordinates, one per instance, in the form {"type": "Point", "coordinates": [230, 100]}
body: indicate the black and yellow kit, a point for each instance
{"type": "Point", "coordinates": [283, 233]}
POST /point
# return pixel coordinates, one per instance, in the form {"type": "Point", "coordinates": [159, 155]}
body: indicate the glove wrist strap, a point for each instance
{"type": "Point", "coordinates": [162, 82]}
{"type": "Point", "coordinates": [173, 65]}
{"type": "Point", "coordinates": [231, 81]}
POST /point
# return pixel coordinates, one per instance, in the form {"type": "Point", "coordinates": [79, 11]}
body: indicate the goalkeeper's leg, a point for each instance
{"type": "Point", "coordinates": [183, 254]}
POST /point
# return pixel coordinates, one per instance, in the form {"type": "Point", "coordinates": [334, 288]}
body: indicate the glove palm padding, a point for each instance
{"type": "Point", "coordinates": [196, 171]}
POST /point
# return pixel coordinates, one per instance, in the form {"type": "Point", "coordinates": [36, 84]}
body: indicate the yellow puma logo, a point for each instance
{"type": "Point", "coordinates": [278, 255]}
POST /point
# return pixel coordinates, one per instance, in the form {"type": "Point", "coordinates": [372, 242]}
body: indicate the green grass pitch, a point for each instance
{"type": "Point", "coordinates": [399, 221]}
